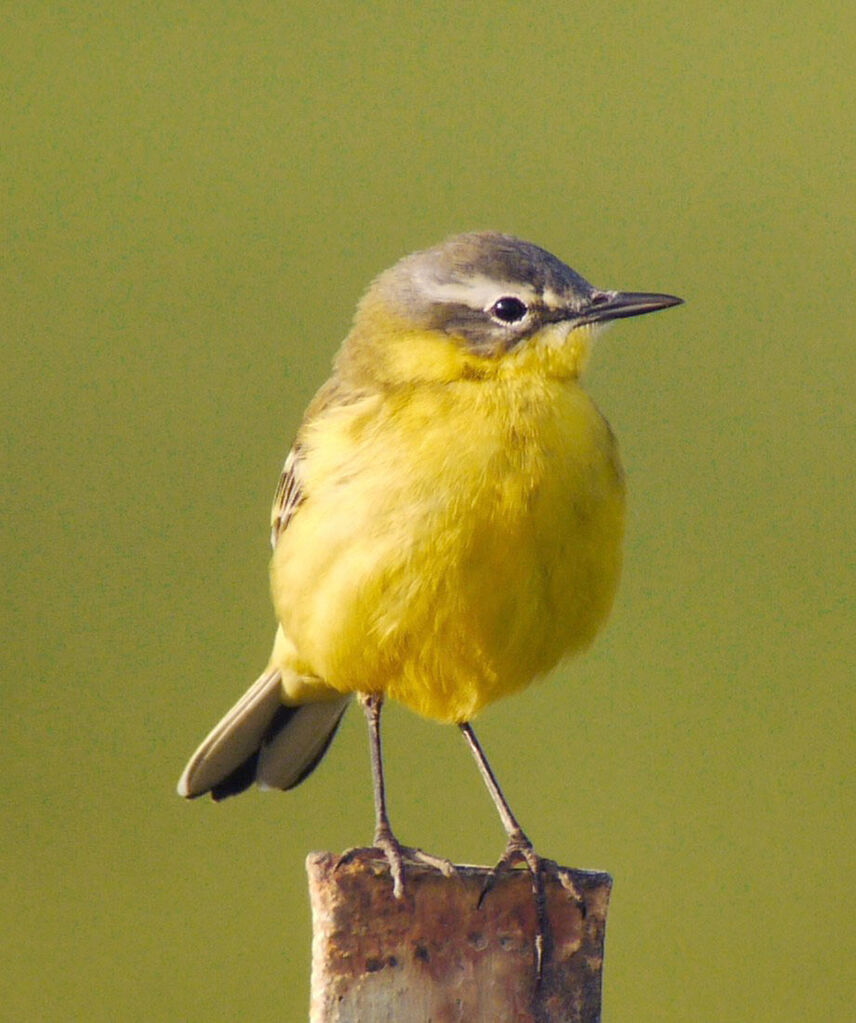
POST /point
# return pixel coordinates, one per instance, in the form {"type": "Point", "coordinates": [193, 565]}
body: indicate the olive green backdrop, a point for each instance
{"type": "Point", "coordinates": [193, 198]}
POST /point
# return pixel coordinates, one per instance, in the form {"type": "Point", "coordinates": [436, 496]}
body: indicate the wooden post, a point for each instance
{"type": "Point", "coordinates": [437, 956]}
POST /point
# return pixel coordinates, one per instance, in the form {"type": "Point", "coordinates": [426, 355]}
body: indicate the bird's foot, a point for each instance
{"type": "Point", "coordinates": [395, 854]}
{"type": "Point", "coordinates": [519, 850]}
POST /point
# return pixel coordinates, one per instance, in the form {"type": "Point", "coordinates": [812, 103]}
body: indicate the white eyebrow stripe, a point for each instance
{"type": "Point", "coordinates": [553, 300]}
{"type": "Point", "coordinates": [478, 292]}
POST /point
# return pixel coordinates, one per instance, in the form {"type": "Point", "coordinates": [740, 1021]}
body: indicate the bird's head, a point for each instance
{"type": "Point", "coordinates": [480, 305]}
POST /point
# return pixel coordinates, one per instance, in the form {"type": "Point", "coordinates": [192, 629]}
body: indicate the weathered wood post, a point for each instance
{"type": "Point", "coordinates": [438, 956]}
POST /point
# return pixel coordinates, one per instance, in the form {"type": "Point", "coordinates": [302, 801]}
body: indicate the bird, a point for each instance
{"type": "Point", "coordinates": [448, 524]}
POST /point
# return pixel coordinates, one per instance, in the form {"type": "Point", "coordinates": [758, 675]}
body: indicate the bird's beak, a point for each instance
{"type": "Point", "coordinates": [615, 305]}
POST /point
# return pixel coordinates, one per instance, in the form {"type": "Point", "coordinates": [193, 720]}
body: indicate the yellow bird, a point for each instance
{"type": "Point", "coordinates": [448, 525]}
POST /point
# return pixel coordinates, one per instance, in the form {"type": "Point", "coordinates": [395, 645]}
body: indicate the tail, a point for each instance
{"type": "Point", "coordinates": [262, 740]}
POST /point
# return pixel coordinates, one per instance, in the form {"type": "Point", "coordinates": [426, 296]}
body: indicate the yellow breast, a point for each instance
{"type": "Point", "coordinates": [457, 539]}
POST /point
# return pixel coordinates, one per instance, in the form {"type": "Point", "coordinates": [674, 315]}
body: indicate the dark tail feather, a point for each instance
{"type": "Point", "coordinates": [297, 741]}
{"type": "Point", "coordinates": [241, 778]}
{"type": "Point", "coordinates": [260, 739]}
{"type": "Point", "coordinates": [246, 773]}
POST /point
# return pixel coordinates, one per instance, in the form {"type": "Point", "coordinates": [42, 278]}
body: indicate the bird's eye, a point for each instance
{"type": "Point", "coordinates": [508, 309]}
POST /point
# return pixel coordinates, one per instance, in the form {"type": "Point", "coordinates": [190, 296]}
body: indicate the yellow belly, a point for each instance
{"type": "Point", "coordinates": [455, 542]}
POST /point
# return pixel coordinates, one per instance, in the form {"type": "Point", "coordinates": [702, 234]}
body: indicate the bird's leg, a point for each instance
{"type": "Point", "coordinates": [384, 839]}
{"type": "Point", "coordinates": [518, 848]}
{"type": "Point", "coordinates": [372, 703]}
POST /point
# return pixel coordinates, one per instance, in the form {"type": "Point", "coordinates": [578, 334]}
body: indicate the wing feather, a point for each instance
{"type": "Point", "coordinates": [289, 495]}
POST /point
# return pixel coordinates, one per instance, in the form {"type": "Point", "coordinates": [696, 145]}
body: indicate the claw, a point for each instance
{"type": "Point", "coordinates": [440, 863]}
{"type": "Point", "coordinates": [389, 845]}
{"type": "Point", "coordinates": [395, 854]}
{"type": "Point", "coordinates": [519, 850]}
{"type": "Point", "coordinates": [566, 881]}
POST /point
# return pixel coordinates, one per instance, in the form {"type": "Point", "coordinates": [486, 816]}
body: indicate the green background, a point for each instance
{"type": "Point", "coordinates": [193, 198]}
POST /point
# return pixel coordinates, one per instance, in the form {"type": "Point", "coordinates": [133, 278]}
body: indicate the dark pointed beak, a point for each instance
{"type": "Point", "coordinates": [615, 305]}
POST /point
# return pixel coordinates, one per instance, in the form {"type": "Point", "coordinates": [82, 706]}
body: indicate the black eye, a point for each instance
{"type": "Point", "coordinates": [508, 309]}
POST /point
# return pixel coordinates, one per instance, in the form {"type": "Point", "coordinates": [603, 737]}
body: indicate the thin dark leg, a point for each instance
{"type": "Point", "coordinates": [384, 839]}
{"type": "Point", "coordinates": [517, 848]}
{"type": "Point", "coordinates": [372, 705]}
{"type": "Point", "coordinates": [509, 821]}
